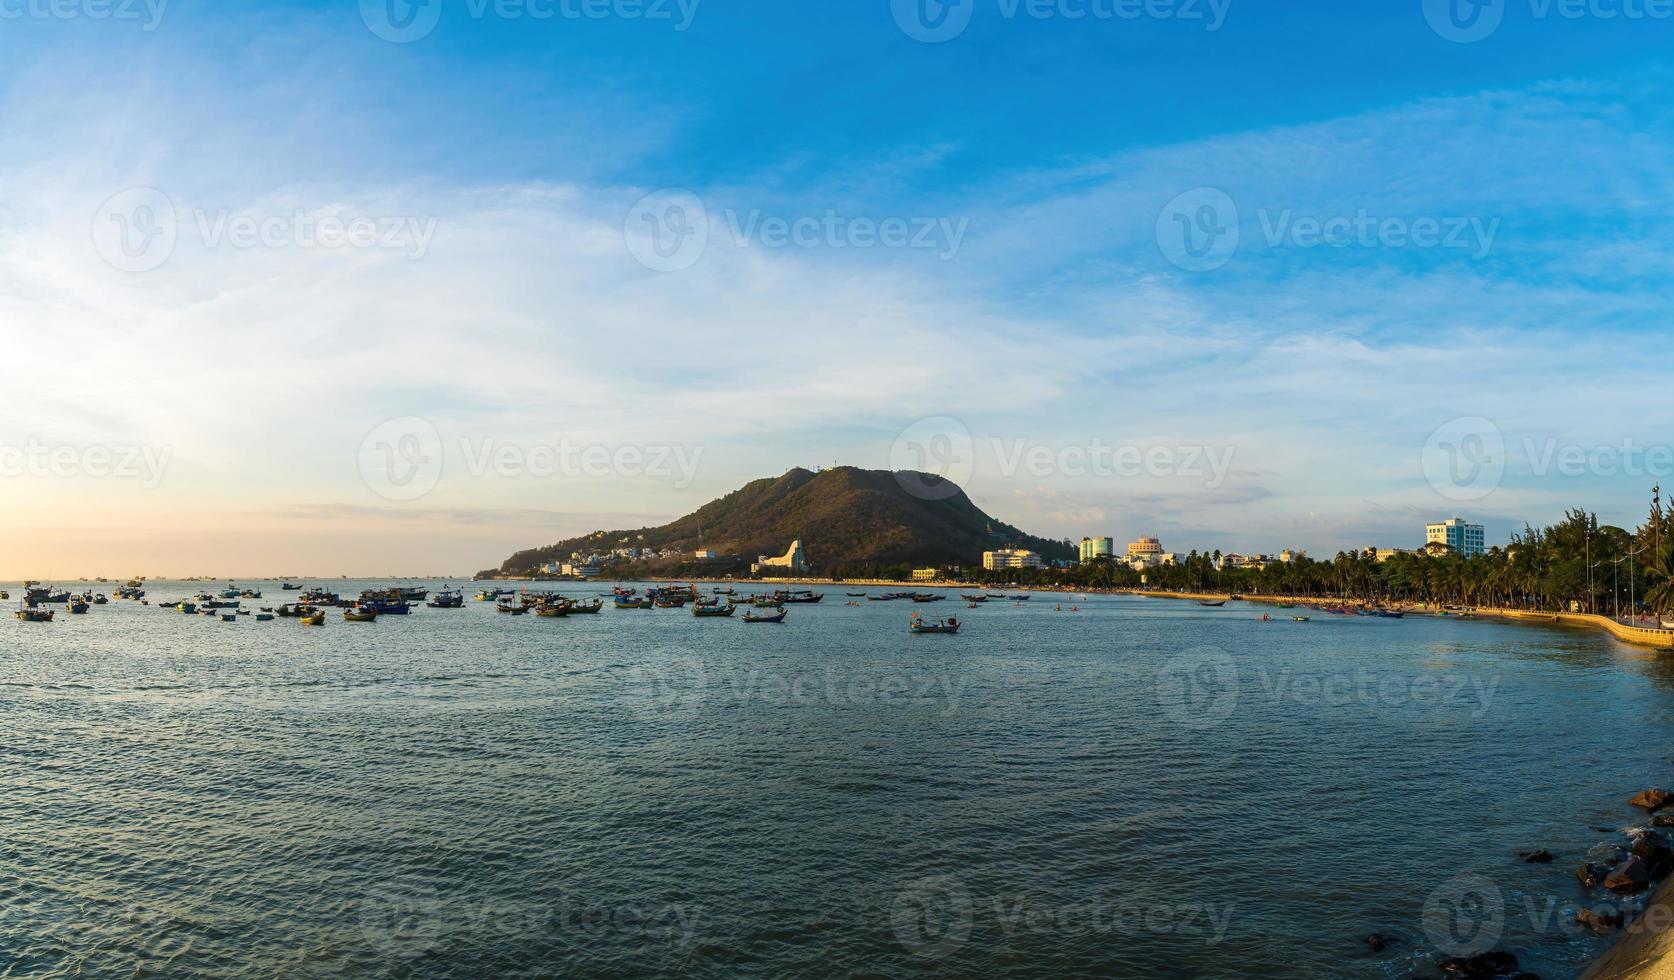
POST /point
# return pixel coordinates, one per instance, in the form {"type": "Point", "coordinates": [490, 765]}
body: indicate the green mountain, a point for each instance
{"type": "Point", "coordinates": [850, 521]}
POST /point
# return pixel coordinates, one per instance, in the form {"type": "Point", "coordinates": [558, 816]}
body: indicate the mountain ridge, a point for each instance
{"type": "Point", "coordinates": [849, 520]}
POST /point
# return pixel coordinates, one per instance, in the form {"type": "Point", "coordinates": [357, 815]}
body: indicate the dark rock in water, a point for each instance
{"type": "Point", "coordinates": [1630, 877]}
{"type": "Point", "coordinates": [1482, 966]}
{"type": "Point", "coordinates": [1608, 854]}
{"type": "Point", "coordinates": [1651, 846]}
{"type": "Point", "coordinates": [1591, 875]}
{"type": "Point", "coordinates": [1652, 799]}
{"type": "Point", "coordinates": [1542, 856]}
{"type": "Point", "coordinates": [1664, 819]}
{"type": "Point", "coordinates": [1603, 830]}
{"type": "Point", "coordinates": [1601, 919]}
{"type": "Point", "coordinates": [1378, 941]}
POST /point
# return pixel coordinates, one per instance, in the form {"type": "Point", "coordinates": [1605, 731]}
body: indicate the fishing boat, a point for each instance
{"type": "Point", "coordinates": [998, 595]}
{"type": "Point", "coordinates": [973, 599]}
{"type": "Point", "coordinates": [1207, 604]}
{"type": "Point", "coordinates": [777, 617]}
{"type": "Point", "coordinates": [880, 598]}
{"type": "Point", "coordinates": [767, 602]}
{"type": "Point", "coordinates": [800, 596]}
{"type": "Point", "coordinates": [669, 602]}
{"type": "Point", "coordinates": [78, 606]}
{"type": "Point", "coordinates": [552, 610]}
{"type": "Point", "coordinates": [1287, 605]}
{"type": "Point", "coordinates": [229, 617]}
{"type": "Point", "coordinates": [186, 607]}
{"type": "Point", "coordinates": [447, 599]}
{"type": "Point", "coordinates": [918, 625]}
{"type": "Point", "coordinates": [586, 607]}
{"type": "Point", "coordinates": [320, 597]}
{"type": "Point", "coordinates": [315, 618]}
{"type": "Point", "coordinates": [1301, 619]}
{"type": "Point", "coordinates": [416, 593]}
{"type": "Point", "coordinates": [289, 587]}
{"type": "Point", "coordinates": [1019, 598]}
{"type": "Point", "coordinates": [1391, 613]}
{"type": "Point", "coordinates": [264, 617]}
{"type": "Point", "coordinates": [632, 602]}
{"type": "Point", "coordinates": [357, 614]}
{"type": "Point", "coordinates": [100, 599]}
{"type": "Point", "coordinates": [715, 612]}
{"type": "Point", "coordinates": [928, 598]}
{"type": "Point", "coordinates": [5, 595]}
{"type": "Point", "coordinates": [29, 615]}
{"type": "Point", "coordinates": [856, 595]}
{"type": "Point", "coordinates": [489, 595]}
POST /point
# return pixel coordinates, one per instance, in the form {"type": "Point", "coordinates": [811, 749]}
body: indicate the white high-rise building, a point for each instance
{"type": "Point", "coordinates": [1097, 548]}
{"type": "Point", "coordinates": [1466, 539]}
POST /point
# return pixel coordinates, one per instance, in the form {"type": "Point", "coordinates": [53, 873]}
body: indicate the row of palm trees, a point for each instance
{"type": "Point", "coordinates": [1576, 564]}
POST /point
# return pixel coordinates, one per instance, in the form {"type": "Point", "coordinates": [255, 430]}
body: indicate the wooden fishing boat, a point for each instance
{"type": "Point", "coordinates": [630, 602]}
{"type": "Point", "coordinates": [1205, 603]}
{"type": "Point", "coordinates": [78, 607]}
{"type": "Point", "coordinates": [856, 595]}
{"type": "Point", "coordinates": [314, 618]}
{"type": "Point", "coordinates": [35, 615]}
{"type": "Point", "coordinates": [447, 599]}
{"type": "Point", "coordinates": [974, 598]}
{"type": "Point", "coordinates": [715, 612]}
{"type": "Point", "coordinates": [586, 607]}
{"type": "Point", "coordinates": [777, 617]}
{"type": "Point", "coordinates": [357, 614]}
{"type": "Point", "coordinates": [552, 610]}
{"type": "Point", "coordinates": [918, 625]}
{"type": "Point", "coordinates": [928, 598]}
{"type": "Point", "coordinates": [1301, 619]}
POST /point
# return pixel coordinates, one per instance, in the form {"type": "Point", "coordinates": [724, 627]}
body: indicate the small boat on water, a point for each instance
{"type": "Point", "coordinates": [229, 617]}
{"type": "Point", "coordinates": [359, 614]}
{"type": "Point", "coordinates": [315, 618]}
{"type": "Point", "coordinates": [1018, 598]}
{"type": "Point", "coordinates": [632, 602]}
{"type": "Point", "coordinates": [586, 607]}
{"type": "Point", "coordinates": [714, 612]}
{"type": "Point", "coordinates": [928, 598]}
{"type": "Point", "coordinates": [1000, 595]}
{"type": "Point", "coordinates": [552, 610]}
{"type": "Point", "coordinates": [777, 617]}
{"type": "Point", "coordinates": [855, 595]}
{"type": "Point", "coordinates": [78, 607]}
{"type": "Point", "coordinates": [1205, 603]}
{"type": "Point", "coordinates": [264, 617]}
{"type": "Point", "coordinates": [880, 598]}
{"type": "Point", "coordinates": [185, 607]}
{"type": "Point", "coordinates": [289, 587]}
{"type": "Point", "coordinates": [447, 599]}
{"type": "Point", "coordinates": [1301, 619]}
{"type": "Point", "coordinates": [1391, 613]}
{"type": "Point", "coordinates": [973, 599]}
{"type": "Point", "coordinates": [35, 615]}
{"type": "Point", "coordinates": [919, 625]}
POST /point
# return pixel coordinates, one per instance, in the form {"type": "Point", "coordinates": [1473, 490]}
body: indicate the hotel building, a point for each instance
{"type": "Point", "coordinates": [1465, 539]}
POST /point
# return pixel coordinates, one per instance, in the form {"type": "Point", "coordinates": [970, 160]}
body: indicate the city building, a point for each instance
{"type": "Point", "coordinates": [1009, 558]}
{"type": "Point", "coordinates": [1384, 554]}
{"type": "Point", "coordinates": [926, 574]}
{"type": "Point", "coordinates": [704, 554]}
{"type": "Point", "coordinates": [794, 560]}
{"type": "Point", "coordinates": [1466, 539]}
{"type": "Point", "coordinates": [1097, 548]}
{"type": "Point", "coordinates": [1145, 548]}
{"type": "Point", "coordinates": [1287, 556]}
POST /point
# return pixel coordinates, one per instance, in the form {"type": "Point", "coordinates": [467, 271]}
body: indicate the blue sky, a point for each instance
{"type": "Point", "coordinates": [1492, 298]}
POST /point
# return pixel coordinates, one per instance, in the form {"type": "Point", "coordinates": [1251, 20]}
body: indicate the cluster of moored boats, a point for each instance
{"type": "Point", "coordinates": [232, 603]}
